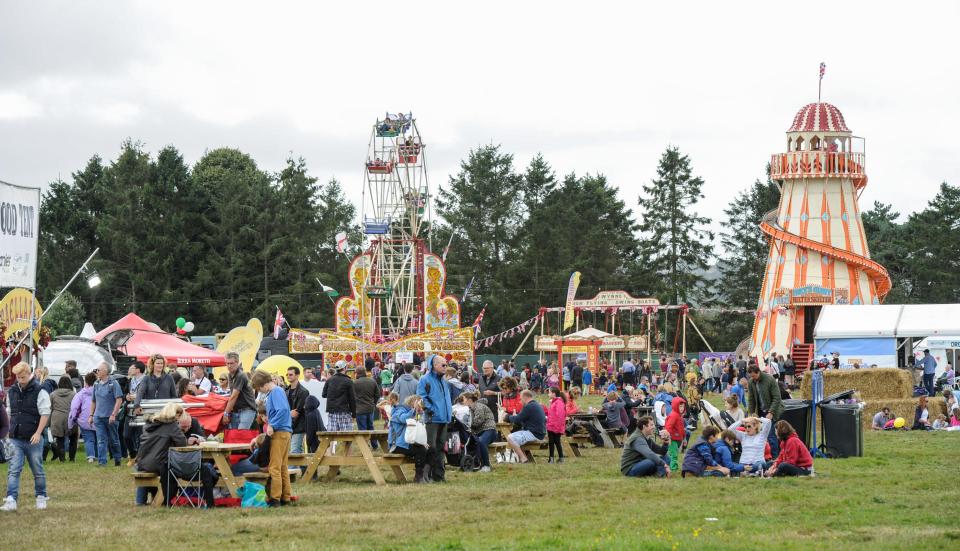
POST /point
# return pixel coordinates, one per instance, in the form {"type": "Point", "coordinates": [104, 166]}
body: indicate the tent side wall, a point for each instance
{"type": "Point", "coordinates": [865, 351]}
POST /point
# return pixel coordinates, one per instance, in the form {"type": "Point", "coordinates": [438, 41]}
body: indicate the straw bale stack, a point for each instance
{"type": "Point", "coordinates": [886, 383]}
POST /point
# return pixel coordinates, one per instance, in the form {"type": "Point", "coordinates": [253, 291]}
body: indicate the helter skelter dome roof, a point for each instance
{"type": "Point", "coordinates": [819, 117]}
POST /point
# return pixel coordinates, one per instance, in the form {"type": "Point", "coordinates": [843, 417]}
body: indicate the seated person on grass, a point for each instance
{"type": "Point", "coordinates": [642, 456]}
{"type": "Point", "coordinates": [753, 441]}
{"type": "Point", "coordinates": [723, 453]}
{"type": "Point", "coordinates": [699, 461]}
{"type": "Point", "coordinates": [733, 410]}
{"type": "Point", "coordinates": [881, 419]}
{"type": "Point", "coordinates": [921, 417]}
{"type": "Point", "coordinates": [794, 458]}
{"type": "Point", "coordinates": [533, 425]}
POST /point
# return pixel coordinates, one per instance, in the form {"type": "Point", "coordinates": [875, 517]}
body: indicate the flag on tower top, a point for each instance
{"type": "Point", "coordinates": [823, 69]}
{"type": "Point", "coordinates": [341, 241]}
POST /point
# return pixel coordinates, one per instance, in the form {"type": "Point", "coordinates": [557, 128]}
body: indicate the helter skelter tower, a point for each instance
{"type": "Point", "coordinates": [397, 283]}
{"type": "Point", "coordinates": [818, 249]}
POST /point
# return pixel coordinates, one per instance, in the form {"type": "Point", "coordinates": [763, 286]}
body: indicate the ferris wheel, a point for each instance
{"type": "Point", "coordinates": [395, 212]}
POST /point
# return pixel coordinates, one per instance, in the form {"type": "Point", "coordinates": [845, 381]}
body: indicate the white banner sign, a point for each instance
{"type": "Point", "coordinates": [19, 233]}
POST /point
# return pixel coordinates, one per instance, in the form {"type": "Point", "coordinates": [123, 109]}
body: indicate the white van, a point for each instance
{"type": "Point", "coordinates": [84, 351]}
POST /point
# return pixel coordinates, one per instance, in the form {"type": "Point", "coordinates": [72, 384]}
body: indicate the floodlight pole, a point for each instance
{"type": "Point", "coordinates": [44, 313]}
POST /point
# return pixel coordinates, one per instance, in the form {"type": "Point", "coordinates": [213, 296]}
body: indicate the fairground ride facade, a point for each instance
{"type": "Point", "coordinates": [397, 306]}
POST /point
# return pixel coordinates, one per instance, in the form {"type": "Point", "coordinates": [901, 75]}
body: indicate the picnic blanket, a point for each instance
{"type": "Point", "coordinates": [210, 411]}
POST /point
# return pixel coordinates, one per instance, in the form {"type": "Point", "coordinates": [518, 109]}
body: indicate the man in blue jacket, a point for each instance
{"type": "Point", "coordinates": [437, 409]}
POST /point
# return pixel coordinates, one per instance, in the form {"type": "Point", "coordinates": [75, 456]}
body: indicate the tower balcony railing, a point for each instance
{"type": "Point", "coordinates": [817, 164]}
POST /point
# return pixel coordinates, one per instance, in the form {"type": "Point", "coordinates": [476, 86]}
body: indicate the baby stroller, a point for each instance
{"type": "Point", "coordinates": [461, 448]}
{"type": "Point", "coordinates": [710, 415]}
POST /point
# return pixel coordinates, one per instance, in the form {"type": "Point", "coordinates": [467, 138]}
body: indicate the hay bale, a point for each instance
{"type": "Point", "coordinates": [904, 407]}
{"type": "Point", "coordinates": [881, 383]}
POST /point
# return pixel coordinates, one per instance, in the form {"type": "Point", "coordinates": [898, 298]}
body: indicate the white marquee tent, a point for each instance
{"type": "Point", "coordinates": [871, 334]}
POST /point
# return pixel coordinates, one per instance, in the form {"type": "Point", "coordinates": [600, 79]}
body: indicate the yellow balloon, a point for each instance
{"type": "Point", "coordinates": [899, 422]}
{"type": "Point", "coordinates": [278, 365]}
{"type": "Point", "coordinates": [245, 341]}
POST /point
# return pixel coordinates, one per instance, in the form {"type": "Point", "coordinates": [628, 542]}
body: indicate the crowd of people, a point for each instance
{"type": "Point", "coordinates": [656, 405]}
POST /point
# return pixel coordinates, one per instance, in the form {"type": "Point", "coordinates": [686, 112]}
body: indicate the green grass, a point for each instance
{"type": "Point", "coordinates": [897, 497]}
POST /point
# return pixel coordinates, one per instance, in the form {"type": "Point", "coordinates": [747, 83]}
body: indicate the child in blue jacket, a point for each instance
{"type": "Point", "coordinates": [723, 453]}
{"type": "Point", "coordinates": [699, 460]}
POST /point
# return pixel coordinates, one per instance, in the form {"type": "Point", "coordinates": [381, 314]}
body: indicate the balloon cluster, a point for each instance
{"type": "Point", "coordinates": [184, 326]}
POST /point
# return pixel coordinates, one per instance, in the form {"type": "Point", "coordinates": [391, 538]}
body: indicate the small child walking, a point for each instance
{"type": "Point", "coordinates": [280, 429]}
{"type": "Point", "coordinates": [677, 429]}
{"type": "Point", "coordinates": [556, 422]}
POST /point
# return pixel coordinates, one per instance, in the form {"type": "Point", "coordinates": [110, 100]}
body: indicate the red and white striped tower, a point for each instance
{"type": "Point", "coordinates": [818, 249]}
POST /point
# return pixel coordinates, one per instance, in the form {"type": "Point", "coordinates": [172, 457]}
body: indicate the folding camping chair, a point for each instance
{"type": "Point", "coordinates": [183, 467]}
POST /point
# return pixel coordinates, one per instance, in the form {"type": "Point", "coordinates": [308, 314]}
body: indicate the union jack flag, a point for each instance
{"type": "Point", "coordinates": [476, 322]}
{"type": "Point", "coordinates": [823, 69]}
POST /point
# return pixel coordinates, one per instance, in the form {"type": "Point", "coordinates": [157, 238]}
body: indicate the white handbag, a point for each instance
{"type": "Point", "coordinates": [416, 432]}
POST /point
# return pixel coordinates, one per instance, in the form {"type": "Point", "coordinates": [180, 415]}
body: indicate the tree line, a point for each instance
{"type": "Point", "coordinates": [224, 240]}
{"type": "Point", "coordinates": [217, 243]}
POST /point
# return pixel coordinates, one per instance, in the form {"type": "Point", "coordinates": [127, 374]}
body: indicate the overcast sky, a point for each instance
{"type": "Point", "coordinates": [595, 86]}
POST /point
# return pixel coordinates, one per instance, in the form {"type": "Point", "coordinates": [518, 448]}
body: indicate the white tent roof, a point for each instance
{"type": "Point", "coordinates": [888, 320]}
{"type": "Point", "coordinates": [924, 320]}
{"type": "Point", "coordinates": [588, 333]}
{"type": "Point", "coordinates": [852, 321]}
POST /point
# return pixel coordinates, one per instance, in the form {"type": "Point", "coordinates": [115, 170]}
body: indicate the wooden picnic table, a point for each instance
{"type": "Point", "coordinates": [350, 440]}
{"type": "Point", "coordinates": [504, 429]}
{"type": "Point", "coordinates": [219, 454]}
{"type": "Point", "coordinates": [594, 420]}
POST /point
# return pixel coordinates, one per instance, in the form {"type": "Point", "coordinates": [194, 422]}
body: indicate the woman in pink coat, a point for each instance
{"type": "Point", "coordinates": [556, 422]}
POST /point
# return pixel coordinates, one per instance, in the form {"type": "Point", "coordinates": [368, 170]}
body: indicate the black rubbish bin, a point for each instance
{"type": "Point", "coordinates": [797, 413]}
{"type": "Point", "coordinates": [842, 431]}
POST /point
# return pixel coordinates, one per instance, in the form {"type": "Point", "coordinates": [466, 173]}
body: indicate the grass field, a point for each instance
{"type": "Point", "coordinates": [900, 496]}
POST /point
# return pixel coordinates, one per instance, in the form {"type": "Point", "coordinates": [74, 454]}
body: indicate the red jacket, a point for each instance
{"type": "Point", "coordinates": [794, 452]}
{"type": "Point", "coordinates": [511, 405]}
{"type": "Point", "coordinates": [674, 423]}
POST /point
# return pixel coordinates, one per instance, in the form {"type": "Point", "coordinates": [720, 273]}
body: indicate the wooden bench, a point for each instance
{"type": "Point", "coordinates": [149, 480]}
{"type": "Point", "coordinates": [579, 441]}
{"type": "Point", "coordinates": [568, 449]}
{"type": "Point", "coordinates": [394, 461]}
{"type": "Point", "coordinates": [298, 459]}
{"type": "Point", "coordinates": [529, 447]}
{"type": "Point", "coordinates": [614, 435]}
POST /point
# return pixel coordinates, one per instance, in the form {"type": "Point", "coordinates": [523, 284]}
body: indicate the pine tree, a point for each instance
{"type": "Point", "coordinates": [743, 262]}
{"type": "Point", "coordinates": [886, 241]}
{"type": "Point", "coordinates": [745, 247]}
{"type": "Point", "coordinates": [483, 206]}
{"type": "Point", "coordinates": [933, 250]}
{"type": "Point", "coordinates": [675, 244]}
